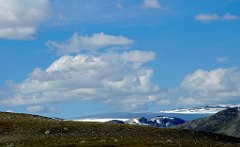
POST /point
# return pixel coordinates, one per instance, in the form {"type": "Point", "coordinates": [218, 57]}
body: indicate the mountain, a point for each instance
{"type": "Point", "coordinates": [123, 116]}
{"type": "Point", "coordinates": [209, 109]}
{"type": "Point", "coordinates": [224, 122]}
{"type": "Point", "coordinates": [139, 121]}
{"type": "Point", "coordinates": [159, 121]}
{"type": "Point", "coordinates": [116, 122]}
{"type": "Point", "coordinates": [32, 130]}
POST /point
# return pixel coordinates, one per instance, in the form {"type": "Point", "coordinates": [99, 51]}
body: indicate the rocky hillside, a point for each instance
{"type": "Point", "coordinates": [224, 122]}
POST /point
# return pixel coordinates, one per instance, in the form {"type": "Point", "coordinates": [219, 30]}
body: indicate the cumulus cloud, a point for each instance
{"type": "Point", "coordinates": [19, 19]}
{"type": "Point", "coordinates": [117, 78]}
{"type": "Point", "coordinates": [216, 86]}
{"type": "Point", "coordinates": [214, 17]}
{"type": "Point", "coordinates": [108, 77]}
{"type": "Point", "coordinates": [151, 4]}
{"type": "Point", "coordinates": [77, 43]}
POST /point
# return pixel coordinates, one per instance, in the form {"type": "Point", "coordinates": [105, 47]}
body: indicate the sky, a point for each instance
{"type": "Point", "coordinates": [70, 58]}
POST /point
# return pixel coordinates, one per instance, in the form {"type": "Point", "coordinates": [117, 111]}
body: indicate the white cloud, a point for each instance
{"type": "Point", "coordinates": [189, 101]}
{"type": "Point", "coordinates": [164, 102]}
{"type": "Point", "coordinates": [229, 16]}
{"type": "Point", "coordinates": [120, 6]}
{"type": "Point", "coordinates": [106, 77]}
{"type": "Point", "coordinates": [207, 17]}
{"type": "Point", "coordinates": [216, 86]}
{"type": "Point", "coordinates": [103, 11]}
{"type": "Point", "coordinates": [214, 17]}
{"type": "Point", "coordinates": [36, 108]}
{"type": "Point", "coordinates": [20, 18]}
{"type": "Point", "coordinates": [222, 59]}
{"type": "Point", "coordinates": [138, 56]}
{"type": "Point", "coordinates": [151, 4]}
{"type": "Point", "coordinates": [2, 92]}
{"type": "Point", "coordinates": [40, 108]}
{"type": "Point", "coordinates": [53, 110]}
{"type": "Point", "coordinates": [77, 43]}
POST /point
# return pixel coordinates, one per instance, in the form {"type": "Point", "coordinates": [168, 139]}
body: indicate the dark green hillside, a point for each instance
{"type": "Point", "coordinates": [29, 130]}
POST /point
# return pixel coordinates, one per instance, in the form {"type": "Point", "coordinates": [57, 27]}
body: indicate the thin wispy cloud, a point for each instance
{"type": "Point", "coordinates": [107, 11]}
{"type": "Point", "coordinates": [36, 108]}
{"type": "Point", "coordinates": [229, 16]}
{"type": "Point", "coordinates": [120, 6]}
{"type": "Point", "coordinates": [222, 59]}
{"type": "Point", "coordinates": [207, 17]}
{"type": "Point", "coordinates": [78, 43]}
{"type": "Point", "coordinates": [154, 4]}
{"type": "Point", "coordinates": [204, 17]}
{"type": "Point", "coordinates": [41, 109]}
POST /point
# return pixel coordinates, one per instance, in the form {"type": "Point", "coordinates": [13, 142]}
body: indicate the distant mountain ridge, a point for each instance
{"type": "Point", "coordinates": [225, 122]}
{"type": "Point", "coordinates": [159, 121]}
{"type": "Point", "coordinates": [209, 109]}
{"type": "Point", "coordinates": [123, 116]}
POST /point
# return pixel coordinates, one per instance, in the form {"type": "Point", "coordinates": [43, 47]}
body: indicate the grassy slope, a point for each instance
{"type": "Point", "coordinates": [232, 128]}
{"type": "Point", "coordinates": [28, 130]}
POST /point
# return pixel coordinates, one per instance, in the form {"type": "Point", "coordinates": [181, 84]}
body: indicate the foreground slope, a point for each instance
{"type": "Point", "coordinates": [224, 122]}
{"type": "Point", "coordinates": [29, 130]}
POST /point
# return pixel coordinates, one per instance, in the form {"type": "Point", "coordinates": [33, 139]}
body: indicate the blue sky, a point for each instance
{"type": "Point", "coordinates": [68, 58]}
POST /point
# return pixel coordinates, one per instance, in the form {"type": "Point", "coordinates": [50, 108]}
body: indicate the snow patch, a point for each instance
{"type": "Point", "coordinates": [209, 109]}
{"type": "Point", "coordinates": [100, 119]}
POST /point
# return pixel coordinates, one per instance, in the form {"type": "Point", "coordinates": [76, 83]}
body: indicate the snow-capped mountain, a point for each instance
{"type": "Point", "coordinates": [159, 121]}
{"type": "Point", "coordinates": [209, 109]}
{"type": "Point", "coordinates": [124, 116]}
{"type": "Point", "coordinates": [138, 121]}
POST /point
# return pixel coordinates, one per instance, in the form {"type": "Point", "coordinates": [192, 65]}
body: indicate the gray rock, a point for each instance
{"type": "Point", "coordinates": [47, 132]}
